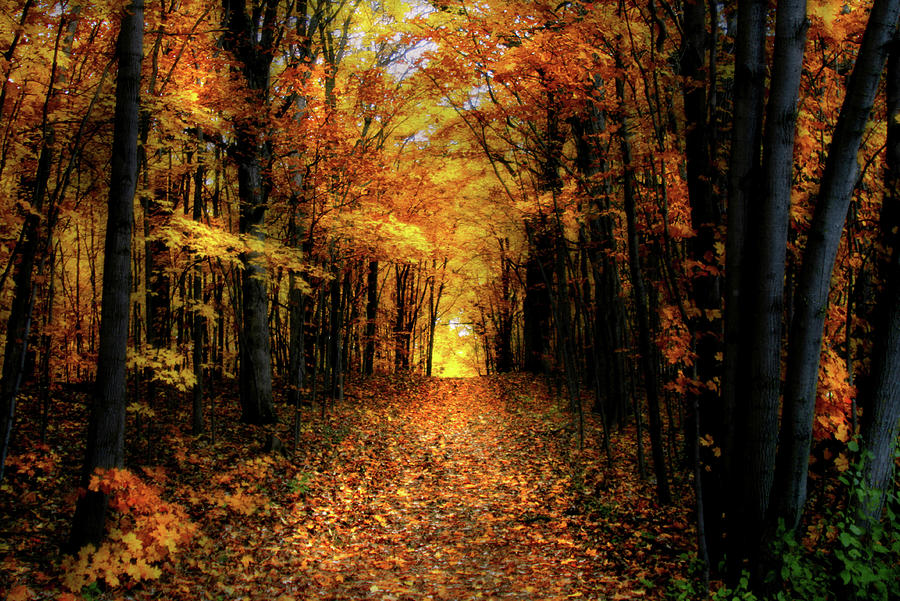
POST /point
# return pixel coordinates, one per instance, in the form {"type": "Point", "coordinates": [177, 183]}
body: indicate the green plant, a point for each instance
{"type": "Point", "coordinates": [300, 484]}
{"type": "Point", "coordinates": [91, 592]}
{"type": "Point", "coordinates": [868, 559]}
{"type": "Point", "coordinates": [741, 592]}
{"type": "Point", "coordinates": [860, 561]}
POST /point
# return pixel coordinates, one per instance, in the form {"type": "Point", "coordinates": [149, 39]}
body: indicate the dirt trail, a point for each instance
{"type": "Point", "coordinates": [449, 495]}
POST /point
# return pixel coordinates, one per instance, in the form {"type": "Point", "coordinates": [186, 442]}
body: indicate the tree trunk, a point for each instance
{"type": "Point", "coordinates": [743, 180]}
{"type": "Point", "coordinates": [198, 322]}
{"type": "Point", "coordinates": [536, 306]}
{"type": "Point", "coordinates": [645, 343]}
{"type": "Point", "coordinates": [256, 355]}
{"type": "Point", "coordinates": [106, 428]}
{"type": "Point", "coordinates": [336, 325]}
{"type": "Point", "coordinates": [371, 318]}
{"type": "Point", "coordinates": [881, 415]}
{"type": "Point", "coordinates": [765, 267]}
{"type": "Point", "coordinates": [252, 40]}
{"type": "Point", "coordinates": [18, 325]}
{"type": "Point", "coordinates": [814, 280]}
{"type": "Point", "coordinates": [609, 321]}
{"type": "Point", "coordinates": [33, 247]}
{"type": "Point", "coordinates": [706, 218]}
{"type": "Point", "coordinates": [503, 341]}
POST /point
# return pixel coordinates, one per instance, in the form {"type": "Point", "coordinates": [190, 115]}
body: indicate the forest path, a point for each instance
{"type": "Point", "coordinates": [449, 493]}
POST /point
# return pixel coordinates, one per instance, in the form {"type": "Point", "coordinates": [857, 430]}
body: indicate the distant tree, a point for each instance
{"type": "Point", "coordinates": [252, 37]}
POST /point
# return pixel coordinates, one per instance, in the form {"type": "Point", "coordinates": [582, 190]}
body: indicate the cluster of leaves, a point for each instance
{"type": "Point", "coordinates": [146, 533]}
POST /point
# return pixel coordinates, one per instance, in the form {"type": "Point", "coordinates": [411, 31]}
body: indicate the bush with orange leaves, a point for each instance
{"type": "Point", "coordinates": [144, 535]}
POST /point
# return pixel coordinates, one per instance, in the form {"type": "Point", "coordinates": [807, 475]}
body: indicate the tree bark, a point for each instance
{"type": "Point", "coordinates": [639, 292]}
{"type": "Point", "coordinates": [33, 247]}
{"type": "Point", "coordinates": [765, 267]}
{"type": "Point", "coordinates": [252, 40]}
{"type": "Point", "coordinates": [706, 217]}
{"type": "Point", "coordinates": [881, 416]}
{"type": "Point", "coordinates": [106, 428]}
{"type": "Point", "coordinates": [371, 318]}
{"type": "Point", "coordinates": [608, 324]}
{"type": "Point", "coordinates": [198, 321]}
{"type": "Point", "coordinates": [536, 306]}
{"type": "Point", "coordinates": [814, 280]}
{"type": "Point", "coordinates": [743, 180]}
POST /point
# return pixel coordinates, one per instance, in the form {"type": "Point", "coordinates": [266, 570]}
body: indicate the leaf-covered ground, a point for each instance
{"type": "Point", "coordinates": [409, 489]}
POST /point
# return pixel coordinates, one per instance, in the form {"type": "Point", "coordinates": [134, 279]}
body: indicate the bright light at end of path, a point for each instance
{"type": "Point", "coordinates": [455, 351]}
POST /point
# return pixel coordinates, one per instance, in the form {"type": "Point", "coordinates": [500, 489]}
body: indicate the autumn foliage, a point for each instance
{"type": "Point", "coordinates": [602, 213]}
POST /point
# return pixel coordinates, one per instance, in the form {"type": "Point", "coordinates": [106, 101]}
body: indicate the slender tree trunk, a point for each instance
{"type": "Point", "coordinates": [198, 322]}
{"type": "Point", "coordinates": [645, 343]}
{"type": "Point", "coordinates": [19, 323]}
{"type": "Point", "coordinates": [608, 330]}
{"type": "Point", "coordinates": [814, 280]}
{"type": "Point", "coordinates": [371, 318]}
{"type": "Point", "coordinates": [434, 302]}
{"type": "Point", "coordinates": [536, 306]}
{"type": "Point", "coordinates": [743, 180]}
{"type": "Point", "coordinates": [32, 249]}
{"type": "Point", "coordinates": [706, 217]}
{"type": "Point", "coordinates": [256, 355]}
{"type": "Point", "coordinates": [106, 428]}
{"type": "Point", "coordinates": [335, 358]}
{"type": "Point", "coordinates": [503, 344]}
{"type": "Point", "coordinates": [881, 403]}
{"type": "Point", "coordinates": [297, 302]}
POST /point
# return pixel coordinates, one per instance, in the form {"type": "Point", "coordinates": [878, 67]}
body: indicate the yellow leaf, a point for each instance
{"type": "Point", "coordinates": [843, 433]}
{"type": "Point", "coordinates": [842, 463]}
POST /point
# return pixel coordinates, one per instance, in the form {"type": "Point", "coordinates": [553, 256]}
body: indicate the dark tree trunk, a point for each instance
{"type": "Point", "coordinates": [608, 332]}
{"type": "Point", "coordinates": [503, 342]}
{"type": "Point", "coordinates": [881, 415]}
{"type": "Point", "coordinates": [536, 306]}
{"type": "Point", "coordinates": [297, 344]}
{"type": "Point", "coordinates": [371, 318]}
{"type": "Point", "coordinates": [814, 280]}
{"type": "Point", "coordinates": [401, 334]}
{"type": "Point", "coordinates": [18, 325]}
{"type": "Point", "coordinates": [639, 293]}
{"type": "Point", "coordinates": [256, 355]}
{"type": "Point", "coordinates": [881, 403]}
{"type": "Point", "coordinates": [297, 306]}
{"type": "Point", "coordinates": [434, 302]}
{"type": "Point", "coordinates": [706, 218]}
{"type": "Point", "coordinates": [743, 180]}
{"type": "Point", "coordinates": [763, 288]}
{"type": "Point", "coordinates": [252, 40]}
{"type": "Point", "coordinates": [198, 322]}
{"type": "Point", "coordinates": [157, 295]}
{"type": "Point", "coordinates": [106, 428]}
{"type": "Point", "coordinates": [33, 247]}
{"type": "Point", "coordinates": [336, 324]}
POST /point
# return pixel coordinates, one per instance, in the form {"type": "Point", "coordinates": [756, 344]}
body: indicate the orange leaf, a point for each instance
{"type": "Point", "coordinates": [20, 593]}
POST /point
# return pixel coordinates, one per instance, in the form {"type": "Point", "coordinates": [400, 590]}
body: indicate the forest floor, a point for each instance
{"type": "Point", "coordinates": [409, 489]}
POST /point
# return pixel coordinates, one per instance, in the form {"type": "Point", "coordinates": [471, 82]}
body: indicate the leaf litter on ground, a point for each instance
{"type": "Point", "coordinates": [410, 489]}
